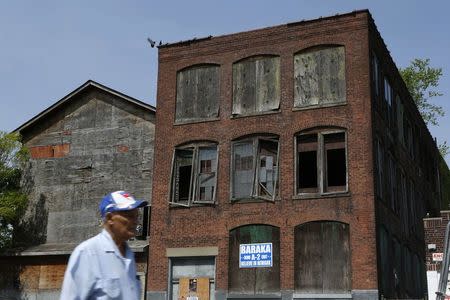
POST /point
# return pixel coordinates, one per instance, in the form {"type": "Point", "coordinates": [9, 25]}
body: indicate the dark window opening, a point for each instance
{"type": "Point", "coordinates": [335, 161]}
{"type": "Point", "coordinates": [183, 175]}
{"type": "Point", "coordinates": [321, 163]}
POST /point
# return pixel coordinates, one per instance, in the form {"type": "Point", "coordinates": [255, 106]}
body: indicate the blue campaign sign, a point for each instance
{"type": "Point", "coordinates": [255, 255]}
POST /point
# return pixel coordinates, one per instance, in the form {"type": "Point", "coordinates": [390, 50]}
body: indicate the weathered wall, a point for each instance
{"type": "Point", "coordinates": [95, 145]}
{"type": "Point", "coordinates": [41, 277]}
{"type": "Point", "coordinates": [207, 226]}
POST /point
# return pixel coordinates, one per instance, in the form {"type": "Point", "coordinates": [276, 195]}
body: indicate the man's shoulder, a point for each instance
{"type": "Point", "coordinates": [90, 245]}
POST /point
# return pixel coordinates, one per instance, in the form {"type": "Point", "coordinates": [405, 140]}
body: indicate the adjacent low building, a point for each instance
{"type": "Point", "coordinates": [93, 141]}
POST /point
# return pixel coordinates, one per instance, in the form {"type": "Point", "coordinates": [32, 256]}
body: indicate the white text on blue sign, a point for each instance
{"type": "Point", "coordinates": [255, 255]}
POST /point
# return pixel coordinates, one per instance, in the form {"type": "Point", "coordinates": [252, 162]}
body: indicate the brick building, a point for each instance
{"type": "Point", "coordinates": [287, 166]}
{"type": "Point", "coordinates": [434, 240]}
{"type": "Point", "coordinates": [93, 141]}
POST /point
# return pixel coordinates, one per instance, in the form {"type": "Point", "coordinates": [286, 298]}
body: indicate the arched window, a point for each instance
{"type": "Point", "coordinates": [322, 258]}
{"type": "Point", "coordinates": [254, 259]}
{"type": "Point", "coordinates": [321, 161]}
{"type": "Point", "coordinates": [194, 174]}
{"type": "Point", "coordinates": [256, 85]}
{"type": "Point", "coordinates": [319, 76]}
{"type": "Point", "coordinates": [255, 167]}
{"type": "Point", "coordinates": [198, 93]}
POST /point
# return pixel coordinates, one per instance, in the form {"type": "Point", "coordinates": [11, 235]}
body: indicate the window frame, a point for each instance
{"type": "Point", "coordinates": [194, 186]}
{"type": "Point", "coordinates": [255, 194]}
{"type": "Point", "coordinates": [321, 163]}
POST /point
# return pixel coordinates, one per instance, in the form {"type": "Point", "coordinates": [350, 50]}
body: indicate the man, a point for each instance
{"type": "Point", "coordinates": [103, 267]}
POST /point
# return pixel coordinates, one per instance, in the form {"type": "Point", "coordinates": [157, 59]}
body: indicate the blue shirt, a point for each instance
{"type": "Point", "coordinates": [97, 270]}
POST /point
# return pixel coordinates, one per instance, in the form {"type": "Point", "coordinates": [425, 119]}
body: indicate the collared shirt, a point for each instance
{"type": "Point", "coordinates": [97, 270]}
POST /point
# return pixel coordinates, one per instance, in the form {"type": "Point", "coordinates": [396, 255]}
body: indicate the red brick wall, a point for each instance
{"type": "Point", "coordinates": [435, 234]}
{"type": "Point", "coordinates": [209, 226]}
{"type": "Point", "coordinates": [49, 151]}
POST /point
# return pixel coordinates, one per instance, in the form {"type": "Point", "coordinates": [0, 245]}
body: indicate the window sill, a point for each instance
{"type": "Point", "coordinates": [319, 106]}
{"type": "Point", "coordinates": [260, 113]}
{"type": "Point", "coordinates": [322, 296]}
{"type": "Point", "coordinates": [178, 123]}
{"type": "Point", "coordinates": [171, 205]}
{"type": "Point", "coordinates": [320, 196]}
{"type": "Point", "coordinates": [254, 296]}
{"type": "Point", "coordinates": [253, 200]}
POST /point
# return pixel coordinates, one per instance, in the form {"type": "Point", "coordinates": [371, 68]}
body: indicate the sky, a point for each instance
{"type": "Point", "coordinates": [49, 48]}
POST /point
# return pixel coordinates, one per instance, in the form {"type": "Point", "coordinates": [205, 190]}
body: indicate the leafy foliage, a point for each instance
{"type": "Point", "coordinates": [421, 79]}
{"type": "Point", "coordinates": [13, 202]}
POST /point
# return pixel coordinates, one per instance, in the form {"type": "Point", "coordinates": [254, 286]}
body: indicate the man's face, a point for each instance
{"type": "Point", "coordinates": [123, 224]}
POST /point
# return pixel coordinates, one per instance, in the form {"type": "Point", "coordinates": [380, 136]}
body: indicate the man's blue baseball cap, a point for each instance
{"type": "Point", "coordinates": [119, 201]}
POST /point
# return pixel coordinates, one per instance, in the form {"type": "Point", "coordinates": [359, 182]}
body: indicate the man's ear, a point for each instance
{"type": "Point", "coordinates": [108, 217]}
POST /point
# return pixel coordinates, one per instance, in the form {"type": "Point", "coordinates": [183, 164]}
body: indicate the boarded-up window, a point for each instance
{"type": "Point", "coordinates": [319, 77]}
{"type": "Point", "coordinates": [254, 280]}
{"type": "Point", "coordinates": [197, 93]}
{"type": "Point", "coordinates": [256, 85]}
{"type": "Point", "coordinates": [321, 162]}
{"type": "Point", "coordinates": [192, 277]}
{"type": "Point", "coordinates": [194, 174]}
{"type": "Point", "coordinates": [255, 168]}
{"type": "Point", "coordinates": [322, 258]}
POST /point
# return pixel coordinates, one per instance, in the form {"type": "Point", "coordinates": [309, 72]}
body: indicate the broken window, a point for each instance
{"type": "Point", "coordinates": [319, 77]}
{"type": "Point", "coordinates": [197, 93]}
{"type": "Point", "coordinates": [254, 280]}
{"type": "Point", "coordinates": [322, 258]}
{"type": "Point", "coordinates": [194, 174]}
{"type": "Point", "coordinates": [256, 85]}
{"type": "Point", "coordinates": [388, 92]}
{"type": "Point", "coordinates": [375, 74]}
{"type": "Point", "coordinates": [255, 168]}
{"type": "Point", "coordinates": [321, 162]}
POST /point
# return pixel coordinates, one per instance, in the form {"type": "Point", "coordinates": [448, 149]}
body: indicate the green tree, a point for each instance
{"type": "Point", "coordinates": [13, 156]}
{"type": "Point", "coordinates": [422, 81]}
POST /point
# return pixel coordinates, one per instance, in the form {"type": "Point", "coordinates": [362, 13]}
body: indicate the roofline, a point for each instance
{"type": "Point", "coordinates": [290, 24]}
{"type": "Point", "coordinates": [84, 86]}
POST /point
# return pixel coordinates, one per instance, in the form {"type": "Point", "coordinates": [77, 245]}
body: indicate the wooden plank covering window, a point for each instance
{"type": "Point", "coordinates": [193, 287]}
{"type": "Point", "coordinates": [197, 93]}
{"type": "Point", "coordinates": [322, 258]}
{"type": "Point", "coordinates": [256, 85]}
{"type": "Point", "coordinates": [319, 76]}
